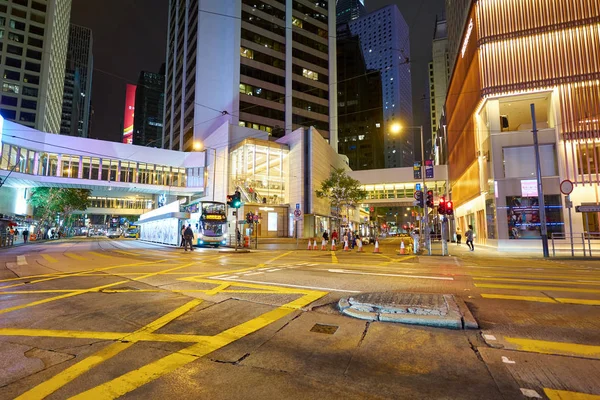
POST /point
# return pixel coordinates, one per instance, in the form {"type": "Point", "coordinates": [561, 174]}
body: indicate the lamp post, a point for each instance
{"type": "Point", "coordinates": [397, 128]}
{"type": "Point", "coordinates": [198, 147]}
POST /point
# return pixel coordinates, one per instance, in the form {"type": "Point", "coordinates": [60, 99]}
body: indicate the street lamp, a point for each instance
{"type": "Point", "coordinates": [198, 146]}
{"type": "Point", "coordinates": [396, 128]}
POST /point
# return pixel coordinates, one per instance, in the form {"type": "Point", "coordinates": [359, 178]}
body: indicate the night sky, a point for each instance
{"type": "Point", "coordinates": [130, 36]}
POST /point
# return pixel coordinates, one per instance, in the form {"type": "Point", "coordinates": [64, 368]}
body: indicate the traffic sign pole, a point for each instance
{"type": "Point", "coordinates": [566, 187]}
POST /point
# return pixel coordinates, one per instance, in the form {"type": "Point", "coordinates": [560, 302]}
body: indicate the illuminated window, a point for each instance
{"type": "Point", "coordinates": [297, 22]}
{"type": "Point", "coordinates": [247, 53]}
{"type": "Point", "coordinates": [9, 87]}
{"type": "Point", "coordinates": [307, 73]}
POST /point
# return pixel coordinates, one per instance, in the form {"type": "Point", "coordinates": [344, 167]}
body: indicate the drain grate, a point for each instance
{"type": "Point", "coordinates": [326, 329]}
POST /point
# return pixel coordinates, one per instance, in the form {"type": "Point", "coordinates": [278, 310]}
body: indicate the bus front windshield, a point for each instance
{"type": "Point", "coordinates": [212, 228]}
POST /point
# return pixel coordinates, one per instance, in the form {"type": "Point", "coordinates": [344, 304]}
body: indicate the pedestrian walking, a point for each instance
{"type": "Point", "coordinates": [334, 235]}
{"type": "Point", "coordinates": [25, 235]}
{"type": "Point", "coordinates": [469, 237]}
{"type": "Point", "coordinates": [458, 236]}
{"type": "Point", "coordinates": [326, 236]}
{"type": "Point", "coordinates": [182, 236]}
{"type": "Point", "coordinates": [238, 235]}
{"type": "Point", "coordinates": [189, 236]}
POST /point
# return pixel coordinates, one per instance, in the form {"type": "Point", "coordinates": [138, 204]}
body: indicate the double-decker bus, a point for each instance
{"type": "Point", "coordinates": [212, 224]}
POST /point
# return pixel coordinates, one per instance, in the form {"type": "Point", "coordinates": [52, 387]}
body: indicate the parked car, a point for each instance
{"type": "Point", "coordinates": [113, 233]}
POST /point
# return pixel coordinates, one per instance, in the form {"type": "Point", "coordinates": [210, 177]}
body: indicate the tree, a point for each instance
{"type": "Point", "coordinates": [48, 202]}
{"type": "Point", "coordinates": [341, 190]}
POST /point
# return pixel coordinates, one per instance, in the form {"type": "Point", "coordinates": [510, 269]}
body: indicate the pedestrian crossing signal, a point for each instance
{"type": "Point", "coordinates": [449, 208]}
{"type": "Point", "coordinates": [442, 206]}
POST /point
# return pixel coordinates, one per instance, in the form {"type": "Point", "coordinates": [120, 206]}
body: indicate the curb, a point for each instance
{"type": "Point", "coordinates": [469, 321]}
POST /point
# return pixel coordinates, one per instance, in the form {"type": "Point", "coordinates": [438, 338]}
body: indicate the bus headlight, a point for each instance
{"type": "Point", "coordinates": [200, 241]}
{"type": "Point", "coordinates": [224, 241]}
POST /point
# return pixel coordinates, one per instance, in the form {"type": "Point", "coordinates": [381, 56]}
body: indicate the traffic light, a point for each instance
{"type": "Point", "coordinates": [249, 218]}
{"type": "Point", "coordinates": [449, 208]}
{"type": "Point", "coordinates": [430, 198]}
{"type": "Point", "coordinates": [442, 206]}
{"type": "Point", "coordinates": [419, 198]}
{"type": "Point", "coordinates": [229, 200]}
{"type": "Point", "coordinates": [237, 201]}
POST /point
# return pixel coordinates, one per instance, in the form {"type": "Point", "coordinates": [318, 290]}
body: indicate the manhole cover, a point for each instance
{"type": "Point", "coordinates": [326, 329]}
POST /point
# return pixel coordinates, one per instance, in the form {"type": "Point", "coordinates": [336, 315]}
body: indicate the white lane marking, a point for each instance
{"type": "Point", "coordinates": [489, 337]}
{"type": "Point", "coordinates": [342, 271]}
{"type": "Point", "coordinates": [254, 273]}
{"type": "Point", "coordinates": [289, 285]}
{"type": "Point", "coordinates": [311, 265]}
{"type": "Point", "coordinates": [21, 260]}
{"type": "Point", "coordinates": [274, 269]}
{"type": "Point", "coordinates": [507, 360]}
{"type": "Point", "coordinates": [302, 263]}
{"type": "Point", "coordinates": [457, 262]}
{"type": "Point", "coordinates": [219, 276]}
{"type": "Point", "coordinates": [263, 269]}
{"type": "Point", "coordinates": [530, 393]}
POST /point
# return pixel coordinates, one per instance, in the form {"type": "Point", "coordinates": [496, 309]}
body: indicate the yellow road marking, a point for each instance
{"type": "Point", "coordinates": [49, 258]}
{"type": "Point", "coordinates": [566, 395]}
{"type": "Point", "coordinates": [562, 348]}
{"type": "Point", "coordinates": [540, 299]}
{"type": "Point", "coordinates": [540, 274]}
{"type": "Point", "coordinates": [535, 288]}
{"type": "Point", "coordinates": [56, 382]}
{"type": "Point", "coordinates": [334, 258]}
{"type": "Point", "coordinates": [75, 257]}
{"type": "Point", "coordinates": [218, 289]}
{"type": "Point", "coordinates": [569, 282]}
{"type": "Point", "coordinates": [136, 378]}
{"type": "Point", "coordinates": [95, 253]}
{"type": "Point", "coordinates": [127, 253]}
{"type": "Point", "coordinates": [76, 293]}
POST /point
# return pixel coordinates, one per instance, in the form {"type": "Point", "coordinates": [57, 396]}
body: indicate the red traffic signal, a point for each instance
{"type": "Point", "coordinates": [449, 208]}
{"type": "Point", "coordinates": [442, 206]}
{"type": "Point", "coordinates": [429, 198]}
{"type": "Point", "coordinates": [229, 200]}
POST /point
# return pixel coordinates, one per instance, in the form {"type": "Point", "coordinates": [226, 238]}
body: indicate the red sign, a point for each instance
{"type": "Point", "coordinates": [129, 113]}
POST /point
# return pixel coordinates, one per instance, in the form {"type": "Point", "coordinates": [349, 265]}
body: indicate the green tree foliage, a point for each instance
{"type": "Point", "coordinates": [48, 202]}
{"type": "Point", "coordinates": [341, 190]}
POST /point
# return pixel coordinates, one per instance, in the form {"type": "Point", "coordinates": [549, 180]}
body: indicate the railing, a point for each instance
{"type": "Point", "coordinates": [575, 243]}
{"type": "Point", "coordinates": [6, 240]}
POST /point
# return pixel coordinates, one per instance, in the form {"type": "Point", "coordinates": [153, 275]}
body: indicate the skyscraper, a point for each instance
{"type": "Point", "coordinates": [349, 10]}
{"type": "Point", "coordinates": [33, 61]}
{"type": "Point", "coordinates": [78, 83]}
{"type": "Point", "coordinates": [385, 44]}
{"type": "Point", "coordinates": [261, 64]}
{"type": "Point", "coordinates": [149, 106]}
{"type": "Point", "coordinates": [439, 75]}
{"type": "Point", "coordinates": [360, 111]}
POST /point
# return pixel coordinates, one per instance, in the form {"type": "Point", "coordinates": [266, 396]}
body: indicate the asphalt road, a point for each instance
{"type": "Point", "coordinates": [101, 319]}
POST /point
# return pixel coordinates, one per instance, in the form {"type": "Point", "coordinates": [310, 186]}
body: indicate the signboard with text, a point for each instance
{"type": "Point", "coordinates": [417, 170]}
{"type": "Point", "coordinates": [529, 188]}
{"type": "Point", "coordinates": [129, 113]}
{"type": "Point", "coordinates": [429, 169]}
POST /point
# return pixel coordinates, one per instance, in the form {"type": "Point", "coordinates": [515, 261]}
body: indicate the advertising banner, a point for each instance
{"type": "Point", "coordinates": [129, 113]}
{"type": "Point", "coordinates": [428, 169]}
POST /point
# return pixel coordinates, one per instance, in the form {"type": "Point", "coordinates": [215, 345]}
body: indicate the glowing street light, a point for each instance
{"type": "Point", "coordinates": [396, 128]}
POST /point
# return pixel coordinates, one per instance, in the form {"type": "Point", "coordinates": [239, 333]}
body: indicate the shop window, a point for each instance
{"type": "Point", "coordinates": [515, 114]}
{"type": "Point", "coordinates": [524, 220]}
{"type": "Point", "coordinates": [519, 162]}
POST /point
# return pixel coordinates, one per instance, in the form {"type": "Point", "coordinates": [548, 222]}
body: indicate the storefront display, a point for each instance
{"type": "Point", "coordinates": [524, 219]}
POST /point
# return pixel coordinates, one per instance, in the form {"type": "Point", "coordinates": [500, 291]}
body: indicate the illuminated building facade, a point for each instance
{"type": "Point", "coordinates": [268, 65]}
{"type": "Point", "coordinates": [504, 63]}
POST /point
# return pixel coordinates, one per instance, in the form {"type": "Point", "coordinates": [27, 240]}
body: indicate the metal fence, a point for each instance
{"type": "Point", "coordinates": [585, 243]}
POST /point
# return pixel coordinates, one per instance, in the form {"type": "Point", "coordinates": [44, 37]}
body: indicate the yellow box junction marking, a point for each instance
{"type": "Point", "coordinates": [334, 258]}
{"type": "Point", "coordinates": [202, 344]}
{"type": "Point", "coordinates": [50, 259]}
{"type": "Point", "coordinates": [562, 348]}
{"type": "Point", "coordinates": [56, 382]}
{"type": "Point", "coordinates": [95, 253]}
{"type": "Point", "coordinates": [557, 282]}
{"type": "Point", "coordinates": [566, 395]}
{"type": "Point", "coordinates": [561, 300]}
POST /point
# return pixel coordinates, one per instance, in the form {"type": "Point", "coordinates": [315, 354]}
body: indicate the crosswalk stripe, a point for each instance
{"type": "Point", "coordinates": [558, 348]}
{"type": "Point", "coordinates": [553, 394]}
{"type": "Point", "coordinates": [21, 260]}
{"type": "Point", "coordinates": [75, 257]}
{"type": "Point", "coordinates": [99, 254]}
{"type": "Point", "coordinates": [538, 299]}
{"type": "Point", "coordinates": [49, 258]}
{"type": "Point", "coordinates": [535, 288]}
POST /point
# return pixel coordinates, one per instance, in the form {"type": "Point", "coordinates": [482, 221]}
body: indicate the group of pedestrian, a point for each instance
{"type": "Point", "coordinates": [468, 237]}
{"type": "Point", "coordinates": [14, 234]}
{"type": "Point", "coordinates": [334, 236]}
{"type": "Point", "coordinates": [187, 237]}
{"type": "Point", "coordinates": [351, 238]}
